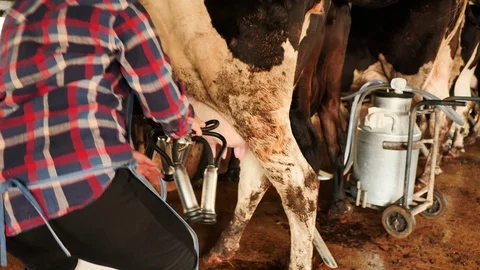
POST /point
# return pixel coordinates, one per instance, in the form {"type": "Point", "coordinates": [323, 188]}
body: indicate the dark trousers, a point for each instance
{"type": "Point", "coordinates": [128, 227]}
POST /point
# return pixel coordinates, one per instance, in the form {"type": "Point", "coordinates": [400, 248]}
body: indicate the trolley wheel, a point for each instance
{"type": "Point", "coordinates": [398, 221]}
{"type": "Point", "coordinates": [439, 206]}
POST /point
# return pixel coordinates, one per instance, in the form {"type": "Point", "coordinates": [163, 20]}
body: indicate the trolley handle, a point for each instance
{"type": "Point", "coordinates": [462, 98]}
{"type": "Point", "coordinates": [431, 102]}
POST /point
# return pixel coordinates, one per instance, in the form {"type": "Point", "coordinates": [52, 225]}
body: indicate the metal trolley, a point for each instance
{"type": "Point", "coordinates": [399, 219]}
{"type": "Point", "coordinates": [399, 213]}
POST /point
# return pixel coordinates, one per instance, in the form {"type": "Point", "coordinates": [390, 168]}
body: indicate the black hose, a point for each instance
{"type": "Point", "coordinates": [206, 148]}
{"type": "Point", "coordinates": [152, 123]}
{"type": "Point", "coordinates": [149, 151]}
{"type": "Point", "coordinates": [152, 146]}
{"type": "Point", "coordinates": [222, 149]}
{"type": "Point", "coordinates": [211, 125]}
{"type": "Point", "coordinates": [164, 155]}
{"type": "Point", "coordinates": [156, 132]}
{"type": "Point", "coordinates": [175, 152]}
{"type": "Point", "coordinates": [149, 148]}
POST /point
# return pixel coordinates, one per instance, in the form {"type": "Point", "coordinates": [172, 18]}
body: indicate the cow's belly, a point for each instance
{"type": "Point", "coordinates": [234, 140]}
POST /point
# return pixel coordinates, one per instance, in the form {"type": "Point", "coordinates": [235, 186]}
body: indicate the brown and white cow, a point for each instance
{"type": "Point", "coordinates": [415, 40]}
{"type": "Point", "coordinates": [238, 61]}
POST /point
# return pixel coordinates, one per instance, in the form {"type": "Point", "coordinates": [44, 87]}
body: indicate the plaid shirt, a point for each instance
{"type": "Point", "coordinates": [65, 67]}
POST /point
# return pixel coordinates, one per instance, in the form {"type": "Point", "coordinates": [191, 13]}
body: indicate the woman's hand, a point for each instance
{"type": "Point", "coordinates": [148, 168]}
{"type": "Point", "coordinates": [197, 126]}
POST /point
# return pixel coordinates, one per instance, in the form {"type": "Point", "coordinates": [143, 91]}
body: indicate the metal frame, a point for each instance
{"type": "Point", "coordinates": [420, 204]}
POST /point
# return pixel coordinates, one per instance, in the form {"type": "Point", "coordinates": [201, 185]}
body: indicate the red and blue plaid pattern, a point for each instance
{"type": "Point", "coordinates": [65, 67]}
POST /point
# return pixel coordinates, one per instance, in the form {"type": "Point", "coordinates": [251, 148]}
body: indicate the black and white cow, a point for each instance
{"type": "Point", "coordinates": [466, 62]}
{"type": "Point", "coordinates": [238, 61]}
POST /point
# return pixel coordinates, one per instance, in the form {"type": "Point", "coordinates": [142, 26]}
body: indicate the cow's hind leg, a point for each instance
{"type": "Point", "coordinates": [298, 189]}
{"type": "Point", "coordinates": [329, 72]}
{"type": "Point", "coordinates": [251, 188]}
{"type": "Point", "coordinates": [297, 184]}
{"type": "Point", "coordinates": [474, 133]}
{"type": "Point", "coordinates": [335, 139]}
{"type": "Point", "coordinates": [458, 145]}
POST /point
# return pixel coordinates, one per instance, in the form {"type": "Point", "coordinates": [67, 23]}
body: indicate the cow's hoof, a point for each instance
{"type": "Point", "coordinates": [424, 179]}
{"type": "Point", "coordinates": [438, 171]}
{"type": "Point", "coordinates": [455, 152]}
{"type": "Point", "coordinates": [470, 140]}
{"type": "Point", "coordinates": [418, 186]}
{"type": "Point", "coordinates": [213, 259]}
{"type": "Point", "coordinates": [340, 210]}
{"type": "Point", "coordinates": [317, 263]}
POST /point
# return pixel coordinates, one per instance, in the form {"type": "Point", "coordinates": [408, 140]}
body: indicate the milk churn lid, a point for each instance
{"type": "Point", "coordinates": [390, 93]}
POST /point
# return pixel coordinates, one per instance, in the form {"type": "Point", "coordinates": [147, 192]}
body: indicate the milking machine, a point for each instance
{"type": "Point", "coordinates": [174, 153]}
{"type": "Point", "coordinates": [384, 150]}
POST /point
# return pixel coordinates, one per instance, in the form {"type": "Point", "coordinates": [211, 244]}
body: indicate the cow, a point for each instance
{"type": "Point", "coordinates": [474, 133]}
{"type": "Point", "coordinates": [467, 59]}
{"type": "Point", "coordinates": [317, 91]}
{"type": "Point", "coordinates": [415, 40]}
{"type": "Point", "coordinates": [238, 62]}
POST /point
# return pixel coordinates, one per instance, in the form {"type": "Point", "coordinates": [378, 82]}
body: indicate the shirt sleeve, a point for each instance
{"type": "Point", "coordinates": [148, 71]}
